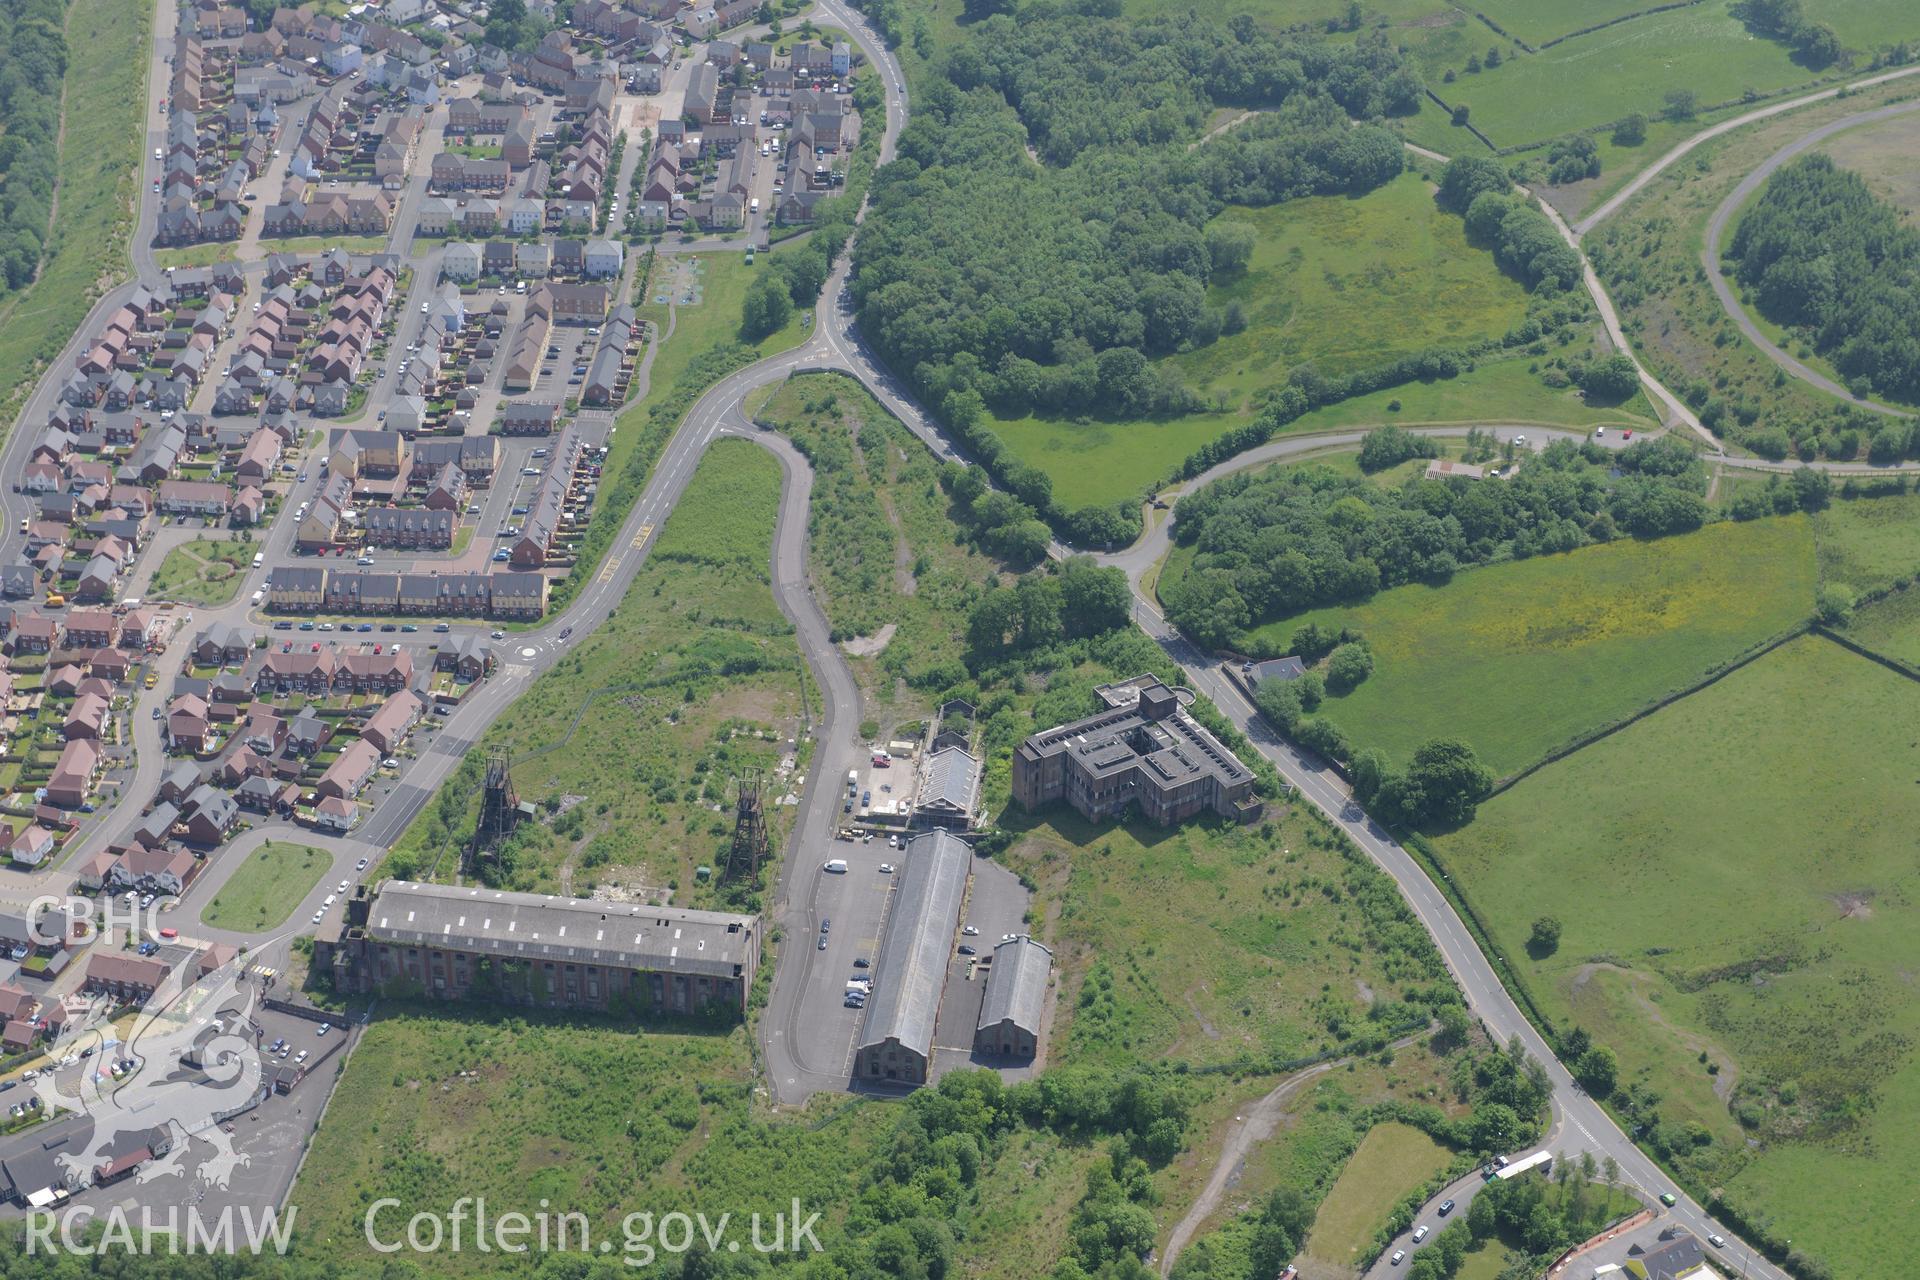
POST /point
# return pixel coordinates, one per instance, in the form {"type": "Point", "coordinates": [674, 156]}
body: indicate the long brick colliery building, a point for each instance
{"type": "Point", "coordinates": [526, 948]}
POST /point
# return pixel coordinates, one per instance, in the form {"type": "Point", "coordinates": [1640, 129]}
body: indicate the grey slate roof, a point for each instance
{"type": "Point", "coordinates": [542, 926]}
{"type": "Point", "coordinates": [952, 781]}
{"type": "Point", "coordinates": [912, 965]}
{"type": "Point", "coordinates": [1017, 985]}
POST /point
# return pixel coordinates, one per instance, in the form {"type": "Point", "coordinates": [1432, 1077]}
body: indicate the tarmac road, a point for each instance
{"type": "Point", "coordinates": [1723, 289]}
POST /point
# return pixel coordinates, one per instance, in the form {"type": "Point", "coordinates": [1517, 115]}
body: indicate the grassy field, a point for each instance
{"type": "Point", "coordinates": [1282, 940]}
{"type": "Point", "coordinates": [1649, 256]}
{"type": "Point", "coordinates": [204, 571]}
{"type": "Point", "coordinates": [596, 1117]}
{"type": "Point", "coordinates": [1522, 657]}
{"type": "Point", "coordinates": [1498, 391]}
{"type": "Point", "coordinates": [267, 887]}
{"type": "Point", "coordinates": [635, 737]}
{"type": "Point", "coordinates": [1135, 456]}
{"type": "Point", "coordinates": [98, 172]}
{"type": "Point", "coordinates": [1882, 154]}
{"type": "Point", "coordinates": [1869, 543]}
{"type": "Point", "coordinates": [1348, 284]}
{"type": "Point", "coordinates": [1392, 1160]}
{"type": "Point", "coordinates": [1789, 774]}
{"type": "Point", "coordinates": [1890, 626]}
{"type": "Point", "coordinates": [1538, 21]}
{"type": "Point", "coordinates": [1600, 77]}
{"type": "Point", "coordinates": [704, 346]}
{"type": "Point", "coordinates": [889, 570]}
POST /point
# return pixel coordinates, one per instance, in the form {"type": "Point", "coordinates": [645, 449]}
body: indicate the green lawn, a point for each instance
{"type": "Point", "coordinates": [98, 171]}
{"type": "Point", "coordinates": [1740, 864]}
{"type": "Point", "coordinates": [1522, 657]}
{"type": "Point", "coordinates": [1600, 77]}
{"type": "Point", "coordinates": [1213, 943]}
{"type": "Point", "coordinates": [194, 255]}
{"type": "Point", "coordinates": [267, 887]}
{"type": "Point", "coordinates": [1349, 284]}
{"type": "Point", "coordinates": [1392, 1160]}
{"type": "Point", "coordinates": [205, 571]}
{"type": "Point", "coordinates": [648, 719]}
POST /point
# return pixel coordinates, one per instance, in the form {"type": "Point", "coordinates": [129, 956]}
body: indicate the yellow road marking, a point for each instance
{"type": "Point", "coordinates": [613, 565]}
{"type": "Point", "coordinates": [640, 538]}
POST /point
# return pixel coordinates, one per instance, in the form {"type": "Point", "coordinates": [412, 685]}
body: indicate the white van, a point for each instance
{"type": "Point", "coordinates": [837, 866]}
{"type": "Point", "coordinates": [259, 558]}
{"type": "Point", "coordinates": [260, 595]}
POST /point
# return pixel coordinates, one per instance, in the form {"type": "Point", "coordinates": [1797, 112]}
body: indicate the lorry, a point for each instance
{"type": "Point", "coordinates": [1515, 1168]}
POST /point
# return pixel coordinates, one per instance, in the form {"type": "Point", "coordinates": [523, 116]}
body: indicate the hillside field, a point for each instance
{"type": "Point", "coordinates": [1599, 77]}
{"type": "Point", "coordinates": [1519, 658]}
{"type": "Point", "coordinates": [1742, 864]}
{"type": "Point", "coordinates": [1350, 284]}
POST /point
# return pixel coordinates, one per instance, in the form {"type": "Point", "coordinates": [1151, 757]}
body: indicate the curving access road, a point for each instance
{"type": "Point", "coordinates": [1723, 290]}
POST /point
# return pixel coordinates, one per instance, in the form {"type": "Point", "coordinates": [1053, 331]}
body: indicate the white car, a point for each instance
{"type": "Point", "coordinates": [345, 885]}
{"type": "Point", "coordinates": [971, 931]}
{"type": "Point", "coordinates": [1599, 433]}
{"type": "Point", "coordinates": [318, 916]}
{"type": "Point", "coordinates": [1420, 1233]}
{"type": "Point", "coordinates": [1717, 1241]}
{"type": "Point", "coordinates": [360, 865]}
{"type": "Point", "coordinates": [886, 868]}
{"type": "Point", "coordinates": [1399, 1256]}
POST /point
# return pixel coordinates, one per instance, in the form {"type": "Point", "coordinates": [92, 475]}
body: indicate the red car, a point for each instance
{"type": "Point", "coordinates": [169, 932]}
{"type": "Point", "coordinates": [316, 646]}
{"type": "Point", "coordinates": [1626, 435]}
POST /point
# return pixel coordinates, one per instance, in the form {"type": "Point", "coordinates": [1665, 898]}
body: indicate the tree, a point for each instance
{"type": "Point", "coordinates": [1465, 177]}
{"type": "Point", "coordinates": [767, 308]}
{"type": "Point", "coordinates": [1347, 666]}
{"type": "Point", "coordinates": [1610, 379]}
{"type": "Point", "coordinates": [1817, 45]}
{"type": "Point", "coordinates": [1460, 113]}
{"type": "Point", "coordinates": [1812, 490]}
{"type": "Point", "coordinates": [1229, 247]}
{"type": "Point", "coordinates": [1681, 104]}
{"type": "Point", "coordinates": [1834, 603]}
{"type": "Point", "coordinates": [1544, 940]}
{"type": "Point", "coordinates": [1630, 130]}
{"type": "Point", "coordinates": [1448, 780]}
{"type": "Point", "coordinates": [1597, 1071]}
